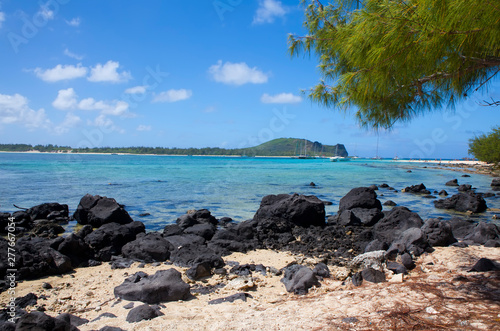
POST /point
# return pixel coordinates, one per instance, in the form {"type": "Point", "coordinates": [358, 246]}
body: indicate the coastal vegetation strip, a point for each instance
{"type": "Point", "coordinates": [276, 147]}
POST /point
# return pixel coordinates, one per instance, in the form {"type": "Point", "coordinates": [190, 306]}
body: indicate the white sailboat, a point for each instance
{"type": "Point", "coordinates": [338, 158]}
{"type": "Point", "coordinates": [304, 156]}
{"type": "Point", "coordinates": [376, 153]}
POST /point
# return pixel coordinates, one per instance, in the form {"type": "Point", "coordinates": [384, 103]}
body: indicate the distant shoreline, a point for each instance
{"type": "Point", "coordinates": [434, 161]}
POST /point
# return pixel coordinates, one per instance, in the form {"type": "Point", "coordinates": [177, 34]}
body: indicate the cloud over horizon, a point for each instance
{"type": "Point", "coordinates": [15, 109]}
{"type": "Point", "coordinates": [68, 100]}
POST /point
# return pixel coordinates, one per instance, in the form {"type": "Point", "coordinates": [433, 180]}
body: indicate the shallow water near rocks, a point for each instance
{"type": "Point", "coordinates": [168, 186]}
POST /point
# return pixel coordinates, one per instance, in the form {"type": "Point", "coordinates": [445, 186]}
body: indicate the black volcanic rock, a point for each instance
{"type": "Point", "coordinates": [109, 239]}
{"type": "Point", "coordinates": [463, 202]}
{"type": "Point", "coordinates": [420, 188]}
{"type": "Point", "coordinates": [483, 232]}
{"type": "Point", "coordinates": [372, 275]}
{"type": "Point", "coordinates": [36, 258]}
{"type": "Point", "coordinates": [142, 313]}
{"type": "Point", "coordinates": [163, 286]}
{"type": "Point", "coordinates": [39, 321]}
{"type": "Point", "coordinates": [465, 188]}
{"type": "Point", "coordinates": [395, 222]}
{"type": "Point", "coordinates": [439, 233]}
{"type": "Point", "coordinates": [202, 216]}
{"type": "Point", "coordinates": [360, 197]}
{"type": "Point", "coordinates": [96, 211]}
{"type": "Point", "coordinates": [49, 211]}
{"type": "Point", "coordinates": [296, 209]}
{"type": "Point", "coordinates": [148, 247]}
{"type": "Point", "coordinates": [299, 279]}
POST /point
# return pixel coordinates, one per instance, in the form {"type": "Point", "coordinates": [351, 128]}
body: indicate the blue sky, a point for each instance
{"type": "Point", "coordinates": [173, 74]}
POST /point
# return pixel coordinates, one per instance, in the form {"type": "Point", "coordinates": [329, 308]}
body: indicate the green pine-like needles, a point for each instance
{"type": "Point", "coordinates": [393, 60]}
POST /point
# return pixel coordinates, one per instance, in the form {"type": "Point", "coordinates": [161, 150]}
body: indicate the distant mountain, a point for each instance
{"type": "Point", "coordinates": [276, 147]}
{"type": "Point", "coordinates": [295, 146]}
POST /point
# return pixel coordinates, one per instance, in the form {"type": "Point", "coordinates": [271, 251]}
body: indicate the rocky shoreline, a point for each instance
{"type": "Point", "coordinates": [192, 260]}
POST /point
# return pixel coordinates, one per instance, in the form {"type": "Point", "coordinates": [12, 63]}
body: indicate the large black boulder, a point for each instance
{"type": "Point", "coordinates": [360, 197]}
{"type": "Point", "coordinates": [412, 240]}
{"type": "Point", "coordinates": [483, 232]}
{"type": "Point", "coordinates": [49, 211]}
{"type": "Point", "coordinates": [360, 216]}
{"type": "Point", "coordinates": [109, 239]}
{"type": "Point", "coordinates": [148, 247]}
{"type": "Point", "coordinates": [463, 202]}
{"type": "Point", "coordinates": [460, 227]}
{"type": "Point", "coordinates": [96, 211]}
{"type": "Point", "coordinates": [39, 321]}
{"type": "Point", "coordinates": [395, 222]}
{"type": "Point", "coordinates": [76, 249]}
{"type": "Point", "coordinates": [299, 279]}
{"type": "Point", "coordinates": [453, 182]}
{"type": "Point", "coordinates": [36, 258]}
{"type": "Point", "coordinates": [297, 209]}
{"type": "Point", "coordinates": [439, 233]}
{"type": "Point", "coordinates": [205, 230]}
{"type": "Point", "coordinates": [164, 285]}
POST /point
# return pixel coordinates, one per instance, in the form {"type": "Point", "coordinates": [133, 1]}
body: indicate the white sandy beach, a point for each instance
{"type": "Point", "coordinates": [438, 293]}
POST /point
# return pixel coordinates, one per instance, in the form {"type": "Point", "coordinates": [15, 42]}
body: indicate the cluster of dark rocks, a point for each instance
{"type": "Point", "coordinates": [361, 235]}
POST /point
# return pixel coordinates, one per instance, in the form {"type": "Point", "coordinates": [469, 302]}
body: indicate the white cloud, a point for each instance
{"type": "Point", "coordinates": [74, 22]}
{"type": "Point", "coordinates": [173, 95]}
{"type": "Point", "coordinates": [66, 99]}
{"type": "Point", "coordinates": [105, 124]}
{"type": "Point", "coordinates": [115, 108]}
{"type": "Point", "coordinates": [236, 73]}
{"type": "Point", "coordinates": [280, 98]}
{"type": "Point", "coordinates": [2, 18]}
{"type": "Point", "coordinates": [108, 73]}
{"type": "Point", "coordinates": [136, 90]}
{"type": "Point", "coordinates": [144, 128]}
{"type": "Point", "coordinates": [46, 13]}
{"type": "Point", "coordinates": [73, 55]}
{"type": "Point", "coordinates": [268, 10]}
{"type": "Point", "coordinates": [61, 72]}
{"type": "Point", "coordinates": [71, 120]}
{"type": "Point", "coordinates": [15, 109]}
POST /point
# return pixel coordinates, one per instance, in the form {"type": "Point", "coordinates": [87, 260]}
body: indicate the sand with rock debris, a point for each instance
{"type": "Point", "coordinates": [438, 293]}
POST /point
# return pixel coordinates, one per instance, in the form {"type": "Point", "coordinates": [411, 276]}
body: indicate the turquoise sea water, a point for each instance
{"type": "Point", "coordinates": [168, 186]}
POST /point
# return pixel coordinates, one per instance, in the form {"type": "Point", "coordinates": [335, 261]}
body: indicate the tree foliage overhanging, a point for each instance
{"type": "Point", "coordinates": [486, 147]}
{"type": "Point", "coordinates": [394, 60]}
